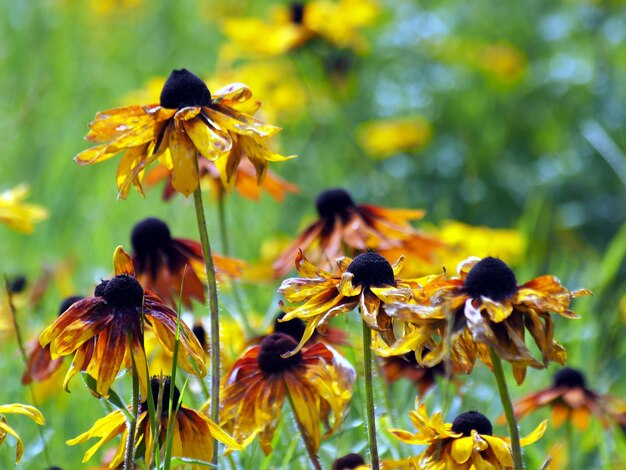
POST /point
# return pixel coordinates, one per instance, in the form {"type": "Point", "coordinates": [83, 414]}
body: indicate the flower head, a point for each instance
{"type": "Point", "coordinates": [16, 408]}
{"type": "Point", "coordinates": [193, 432]}
{"type": "Point", "coordinates": [467, 442]}
{"type": "Point", "coordinates": [368, 281]}
{"type": "Point", "coordinates": [484, 308]}
{"type": "Point", "coordinates": [17, 214]}
{"type": "Point", "coordinates": [571, 399]}
{"type": "Point", "coordinates": [318, 381]}
{"type": "Point", "coordinates": [397, 367]}
{"type": "Point", "coordinates": [174, 267]}
{"type": "Point", "coordinates": [344, 227]}
{"type": "Point", "coordinates": [189, 121]}
{"type": "Point", "coordinates": [109, 325]}
{"type": "Point", "coordinates": [348, 462]}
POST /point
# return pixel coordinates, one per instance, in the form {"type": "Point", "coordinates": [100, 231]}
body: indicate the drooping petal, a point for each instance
{"type": "Point", "coordinates": [123, 262]}
{"type": "Point", "coordinates": [184, 156]}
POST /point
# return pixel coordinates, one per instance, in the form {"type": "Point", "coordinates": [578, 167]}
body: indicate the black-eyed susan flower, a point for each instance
{"type": "Point", "coordinates": [349, 462]}
{"type": "Point", "coordinates": [466, 443]}
{"type": "Point", "coordinates": [193, 433]}
{"type": "Point", "coordinates": [318, 380]}
{"type": "Point", "coordinates": [189, 121]}
{"type": "Point", "coordinates": [368, 281]}
{"type": "Point", "coordinates": [571, 400]}
{"type": "Point", "coordinates": [110, 324]}
{"type": "Point", "coordinates": [16, 213]}
{"type": "Point", "coordinates": [17, 408]}
{"type": "Point", "coordinates": [40, 365]}
{"type": "Point", "coordinates": [171, 267]}
{"type": "Point", "coordinates": [484, 308]}
{"type": "Point", "coordinates": [346, 228]}
{"type": "Point", "coordinates": [246, 182]}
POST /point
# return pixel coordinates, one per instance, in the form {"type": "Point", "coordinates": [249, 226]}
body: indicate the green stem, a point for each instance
{"type": "Point", "coordinates": [505, 398]}
{"type": "Point", "coordinates": [571, 445]}
{"type": "Point", "coordinates": [20, 343]}
{"type": "Point", "coordinates": [369, 397]}
{"type": "Point", "coordinates": [129, 457]}
{"type": "Point", "coordinates": [315, 460]}
{"type": "Point", "coordinates": [211, 289]}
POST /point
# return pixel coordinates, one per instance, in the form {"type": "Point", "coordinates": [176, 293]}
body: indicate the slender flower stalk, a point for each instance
{"type": "Point", "coordinates": [22, 349]}
{"type": "Point", "coordinates": [129, 457]}
{"type": "Point", "coordinates": [505, 398]}
{"type": "Point", "coordinates": [370, 413]}
{"type": "Point", "coordinates": [211, 287]}
{"type": "Point", "coordinates": [310, 450]}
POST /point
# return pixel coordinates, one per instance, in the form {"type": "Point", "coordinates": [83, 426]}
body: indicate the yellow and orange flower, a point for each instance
{"type": "Point", "coordinates": [570, 399]}
{"type": "Point", "coordinates": [318, 382]}
{"type": "Point", "coordinates": [110, 325]}
{"type": "Point", "coordinates": [189, 121]}
{"type": "Point", "coordinates": [368, 281]}
{"type": "Point", "coordinates": [17, 408]}
{"type": "Point", "coordinates": [338, 22]}
{"type": "Point", "coordinates": [173, 268]}
{"type": "Point", "coordinates": [17, 214]}
{"type": "Point", "coordinates": [483, 308]}
{"type": "Point", "coordinates": [345, 228]}
{"type": "Point", "coordinates": [193, 432]}
{"type": "Point", "coordinates": [466, 443]}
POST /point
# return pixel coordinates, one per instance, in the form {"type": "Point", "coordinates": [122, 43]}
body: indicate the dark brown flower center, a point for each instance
{"type": "Point", "coordinates": [297, 12]}
{"type": "Point", "coordinates": [348, 462]}
{"type": "Point", "coordinates": [570, 378]}
{"type": "Point", "coordinates": [68, 302]}
{"type": "Point", "coordinates": [294, 327]}
{"type": "Point", "coordinates": [472, 420]}
{"type": "Point", "coordinates": [271, 350]}
{"type": "Point", "coordinates": [333, 202]}
{"type": "Point", "coordinates": [123, 291]}
{"type": "Point", "coordinates": [99, 290]}
{"type": "Point", "coordinates": [155, 384]}
{"type": "Point", "coordinates": [492, 278]}
{"type": "Point", "coordinates": [17, 284]}
{"type": "Point", "coordinates": [200, 333]}
{"type": "Point", "coordinates": [150, 235]}
{"type": "Point", "coordinates": [183, 89]}
{"type": "Point", "coordinates": [371, 269]}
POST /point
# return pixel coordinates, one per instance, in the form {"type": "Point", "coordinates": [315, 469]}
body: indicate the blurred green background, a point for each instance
{"type": "Point", "coordinates": [525, 102]}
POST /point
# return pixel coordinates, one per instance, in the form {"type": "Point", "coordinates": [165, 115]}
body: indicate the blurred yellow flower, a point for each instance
{"type": "Point", "coordinates": [16, 408]}
{"type": "Point", "coordinates": [385, 137]}
{"type": "Point", "coordinates": [17, 214]}
{"type": "Point", "coordinates": [337, 22]}
{"type": "Point", "coordinates": [463, 240]}
{"type": "Point", "coordinates": [112, 7]}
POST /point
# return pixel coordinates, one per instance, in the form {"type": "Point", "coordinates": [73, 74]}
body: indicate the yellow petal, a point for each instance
{"type": "Point", "coordinates": [211, 144]}
{"type": "Point", "coordinates": [122, 262]}
{"type": "Point", "coordinates": [6, 429]}
{"type": "Point", "coordinates": [535, 435]}
{"type": "Point", "coordinates": [184, 155]}
{"type": "Point", "coordinates": [462, 449]}
{"type": "Point", "coordinates": [26, 410]}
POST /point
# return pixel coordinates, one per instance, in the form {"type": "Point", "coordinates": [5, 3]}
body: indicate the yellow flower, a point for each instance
{"type": "Point", "coordinates": [467, 443]}
{"type": "Point", "coordinates": [463, 240]}
{"type": "Point", "coordinates": [105, 331]}
{"type": "Point", "coordinates": [386, 137]}
{"type": "Point", "coordinates": [368, 281]}
{"type": "Point", "coordinates": [483, 308]}
{"type": "Point", "coordinates": [16, 408]}
{"type": "Point", "coordinates": [318, 381]}
{"type": "Point", "coordinates": [570, 399]}
{"type": "Point", "coordinates": [337, 22]}
{"type": "Point", "coordinates": [193, 432]}
{"type": "Point", "coordinates": [17, 214]}
{"type": "Point", "coordinates": [189, 121]}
